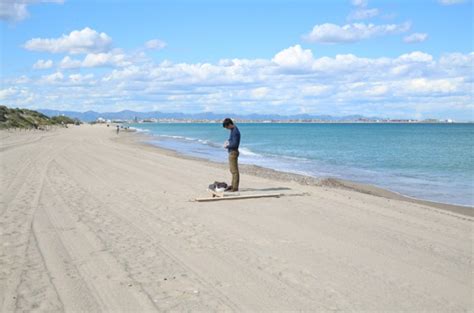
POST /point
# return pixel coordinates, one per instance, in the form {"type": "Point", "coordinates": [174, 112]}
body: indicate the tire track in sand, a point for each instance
{"type": "Point", "coordinates": [91, 278]}
{"type": "Point", "coordinates": [16, 225]}
{"type": "Point", "coordinates": [169, 282]}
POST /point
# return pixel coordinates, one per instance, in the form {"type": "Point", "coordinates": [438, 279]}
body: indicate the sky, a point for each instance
{"type": "Point", "coordinates": [392, 59]}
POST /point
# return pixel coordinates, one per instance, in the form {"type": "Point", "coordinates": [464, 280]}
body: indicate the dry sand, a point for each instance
{"type": "Point", "coordinates": [92, 223]}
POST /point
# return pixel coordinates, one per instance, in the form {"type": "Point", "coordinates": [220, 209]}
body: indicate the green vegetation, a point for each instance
{"type": "Point", "coordinates": [61, 119]}
{"type": "Point", "coordinates": [24, 118]}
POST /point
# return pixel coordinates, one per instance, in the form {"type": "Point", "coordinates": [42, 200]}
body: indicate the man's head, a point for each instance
{"type": "Point", "coordinates": [227, 123]}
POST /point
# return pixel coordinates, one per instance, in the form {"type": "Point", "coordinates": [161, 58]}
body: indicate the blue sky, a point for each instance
{"type": "Point", "coordinates": [394, 59]}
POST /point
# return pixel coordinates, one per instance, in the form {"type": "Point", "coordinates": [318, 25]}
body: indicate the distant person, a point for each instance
{"type": "Point", "coordinates": [232, 146]}
{"type": "Point", "coordinates": [118, 129]}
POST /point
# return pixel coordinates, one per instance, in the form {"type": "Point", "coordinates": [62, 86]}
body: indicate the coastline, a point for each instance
{"type": "Point", "coordinates": [142, 138]}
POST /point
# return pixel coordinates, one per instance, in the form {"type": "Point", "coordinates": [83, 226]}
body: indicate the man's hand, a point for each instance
{"type": "Point", "coordinates": [226, 144]}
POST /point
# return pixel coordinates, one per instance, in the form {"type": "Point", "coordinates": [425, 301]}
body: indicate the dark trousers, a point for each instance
{"type": "Point", "coordinates": [234, 169]}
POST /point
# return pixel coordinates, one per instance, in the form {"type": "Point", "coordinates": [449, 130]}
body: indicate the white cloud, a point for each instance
{"type": "Point", "coordinates": [412, 64]}
{"type": "Point", "coordinates": [315, 90]}
{"type": "Point", "coordinates": [294, 58]}
{"type": "Point", "coordinates": [332, 33]}
{"type": "Point", "coordinates": [454, 60]}
{"type": "Point", "coordinates": [105, 59]}
{"type": "Point", "coordinates": [22, 80]}
{"type": "Point", "coordinates": [363, 14]}
{"type": "Point", "coordinates": [17, 97]}
{"type": "Point", "coordinates": [450, 2]}
{"type": "Point", "coordinates": [13, 11]}
{"type": "Point", "coordinates": [17, 10]}
{"type": "Point", "coordinates": [109, 59]}
{"type": "Point", "coordinates": [80, 78]}
{"type": "Point", "coordinates": [427, 86]}
{"type": "Point", "coordinates": [293, 80]}
{"type": "Point", "coordinates": [359, 3]}
{"type": "Point", "coordinates": [86, 40]}
{"type": "Point", "coordinates": [415, 56]}
{"type": "Point", "coordinates": [377, 91]}
{"type": "Point", "coordinates": [52, 78]}
{"type": "Point", "coordinates": [67, 62]}
{"type": "Point", "coordinates": [415, 38]}
{"type": "Point", "coordinates": [7, 93]}
{"type": "Point", "coordinates": [155, 44]}
{"type": "Point", "coordinates": [129, 73]}
{"type": "Point", "coordinates": [43, 64]}
{"type": "Point", "coordinates": [344, 63]}
{"type": "Point", "coordinates": [261, 92]}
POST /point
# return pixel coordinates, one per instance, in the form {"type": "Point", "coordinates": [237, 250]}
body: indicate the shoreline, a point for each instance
{"type": "Point", "coordinates": [263, 172]}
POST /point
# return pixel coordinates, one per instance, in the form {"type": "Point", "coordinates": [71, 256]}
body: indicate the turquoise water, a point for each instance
{"type": "Point", "coordinates": [426, 161]}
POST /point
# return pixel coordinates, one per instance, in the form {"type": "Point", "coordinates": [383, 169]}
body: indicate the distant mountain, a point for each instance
{"type": "Point", "coordinates": [90, 116]}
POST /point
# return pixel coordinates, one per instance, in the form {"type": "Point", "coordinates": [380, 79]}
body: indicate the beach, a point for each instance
{"type": "Point", "coordinates": [92, 221]}
{"type": "Point", "coordinates": [422, 161]}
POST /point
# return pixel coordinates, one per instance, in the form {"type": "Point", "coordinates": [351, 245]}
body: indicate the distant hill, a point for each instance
{"type": "Point", "coordinates": [24, 118]}
{"type": "Point", "coordinates": [90, 116]}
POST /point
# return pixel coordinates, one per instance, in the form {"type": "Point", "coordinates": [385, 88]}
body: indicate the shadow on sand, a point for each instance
{"type": "Point", "coordinates": [265, 189]}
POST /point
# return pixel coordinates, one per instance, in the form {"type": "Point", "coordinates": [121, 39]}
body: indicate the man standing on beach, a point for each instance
{"type": "Point", "coordinates": [232, 146]}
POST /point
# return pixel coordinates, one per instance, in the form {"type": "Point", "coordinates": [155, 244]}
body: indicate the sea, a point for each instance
{"type": "Point", "coordinates": [425, 161]}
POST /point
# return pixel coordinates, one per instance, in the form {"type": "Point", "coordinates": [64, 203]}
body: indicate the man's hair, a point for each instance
{"type": "Point", "coordinates": [227, 122]}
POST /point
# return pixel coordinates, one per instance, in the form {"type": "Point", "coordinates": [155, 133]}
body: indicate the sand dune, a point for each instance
{"type": "Point", "coordinates": [90, 223]}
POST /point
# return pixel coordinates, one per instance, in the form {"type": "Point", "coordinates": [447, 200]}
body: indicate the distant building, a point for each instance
{"type": "Point", "coordinates": [101, 120]}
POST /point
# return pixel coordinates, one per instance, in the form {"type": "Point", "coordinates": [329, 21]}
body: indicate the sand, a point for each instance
{"type": "Point", "coordinates": [95, 222]}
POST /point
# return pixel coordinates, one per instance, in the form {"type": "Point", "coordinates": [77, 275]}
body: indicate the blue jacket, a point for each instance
{"type": "Point", "coordinates": [234, 140]}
